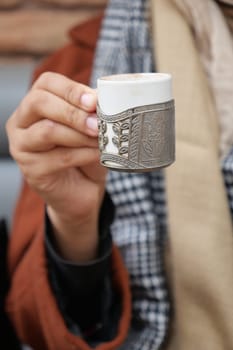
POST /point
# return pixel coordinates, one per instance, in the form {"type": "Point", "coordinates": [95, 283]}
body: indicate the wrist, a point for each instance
{"type": "Point", "coordinates": [75, 239]}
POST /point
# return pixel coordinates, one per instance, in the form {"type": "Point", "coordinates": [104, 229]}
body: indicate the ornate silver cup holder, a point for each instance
{"type": "Point", "coordinates": [139, 139]}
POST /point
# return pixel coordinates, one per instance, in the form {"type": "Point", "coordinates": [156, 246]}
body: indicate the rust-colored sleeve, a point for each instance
{"type": "Point", "coordinates": [31, 304]}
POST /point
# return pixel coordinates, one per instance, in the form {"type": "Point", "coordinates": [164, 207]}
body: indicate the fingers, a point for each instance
{"type": "Point", "coordinates": [54, 127]}
{"type": "Point", "coordinates": [60, 99]}
{"type": "Point", "coordinates": [45, 135]}
{"type": "Point", "coordinates": [74, 93]}
{"type": "Point", "coordinates": [40, 104]}
{"type": "Point", "coordinates": [38, 165]}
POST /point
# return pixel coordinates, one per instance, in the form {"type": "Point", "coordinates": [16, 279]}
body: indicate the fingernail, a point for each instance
{"type": "Point", "coordinates": [92, 124]}
{"type": "Point", "coordinates": [87, 100]}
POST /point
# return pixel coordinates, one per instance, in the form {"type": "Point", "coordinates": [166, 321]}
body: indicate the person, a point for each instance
{"type": "Point", "coordinates": [166, 281]}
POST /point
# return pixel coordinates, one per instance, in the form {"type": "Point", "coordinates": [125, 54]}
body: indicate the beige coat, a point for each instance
{"type": "Point", "coordinates": [200, 251]}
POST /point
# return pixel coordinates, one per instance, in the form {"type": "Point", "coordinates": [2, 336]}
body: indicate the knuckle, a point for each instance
{"type": "Point", "coordinates": [16, 154]}
{"type": "Point", "coordinates": [71, 93]}
{"type": "Point", "coordinates": [46, 129]}
{"type": "Point", "coordinates": [13, 147]}
{"type": "Point", "coordinates": [38, 98]}
{"type": "Point", "coordinates": [28, 104]}
{"type": "Point", "coordinates": [34, 103]}
{"type": "Point", "coordinates": [66, 157]}
{"type": "Point", "coordinates": [11, 123]}
{"type": "Point", "coordinates": [70, 115]}
{"type": "Point", "coordinates": [44, 135]}
{"type": "Point", "coordinates": [44, 79]}
{"type": "Point", "coordinates": [30, 168]}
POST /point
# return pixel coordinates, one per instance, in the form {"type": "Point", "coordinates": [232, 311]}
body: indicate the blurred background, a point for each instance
{"type": "Point", "coordinates": [29, 31]}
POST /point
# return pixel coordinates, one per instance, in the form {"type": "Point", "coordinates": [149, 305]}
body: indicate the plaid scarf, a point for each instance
{"type": "Point", "coordinates": [139, 228]}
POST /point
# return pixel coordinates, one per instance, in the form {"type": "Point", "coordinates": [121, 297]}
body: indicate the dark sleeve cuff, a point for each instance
{"type": "Point", "coordinates": [79, 288]}
{"type": "Point", "coordinates": [82, 277]}
{"type": "Point", "coordinates": [77, 276]}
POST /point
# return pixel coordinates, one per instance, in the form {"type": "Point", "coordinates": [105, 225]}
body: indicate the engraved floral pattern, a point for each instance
{"type": "Point", "coordinates": [121, 138]}
{"type": "Point", "coordinates": [103, 139]}
{"type": "Point", "coordinates": [144, 137]}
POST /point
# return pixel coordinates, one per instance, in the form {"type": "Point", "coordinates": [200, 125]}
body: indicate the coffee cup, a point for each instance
{"type": "Point", "coordinates": [136, 120]}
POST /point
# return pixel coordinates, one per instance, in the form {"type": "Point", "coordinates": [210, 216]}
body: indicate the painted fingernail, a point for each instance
{"type": "Point", "coordinates": [92, 124]}
{"type": "Point", "coordinates": [87, 100]}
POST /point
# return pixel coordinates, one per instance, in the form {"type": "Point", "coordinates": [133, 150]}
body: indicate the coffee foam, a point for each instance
{"type": "Point", "coordinates": [135, 77]}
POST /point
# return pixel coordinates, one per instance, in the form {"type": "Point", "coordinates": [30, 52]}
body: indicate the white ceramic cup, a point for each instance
{"type": "Point", "coordinates": [136, 121]}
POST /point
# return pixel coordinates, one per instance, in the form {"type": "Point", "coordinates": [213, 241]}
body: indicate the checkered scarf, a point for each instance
{"type": "Point", "coordinates": [139, 228]}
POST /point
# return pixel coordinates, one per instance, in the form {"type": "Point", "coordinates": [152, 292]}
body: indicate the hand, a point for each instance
{"type": "Point", "coordinates": [53, 138]}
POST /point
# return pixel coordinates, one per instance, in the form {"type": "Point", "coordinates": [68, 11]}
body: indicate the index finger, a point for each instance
{"type": "Point", "coordinates": [77, 94]}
